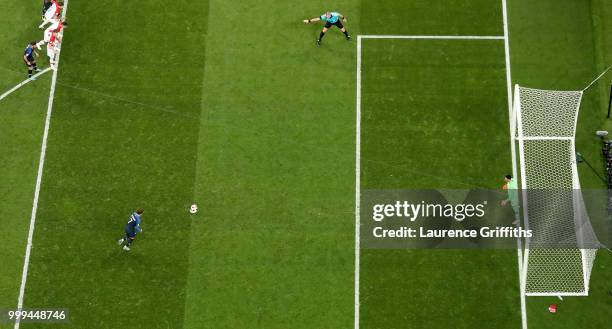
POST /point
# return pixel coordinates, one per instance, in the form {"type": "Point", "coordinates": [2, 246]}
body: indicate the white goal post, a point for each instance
{"type": "Point", "coordinates": [558, 258]}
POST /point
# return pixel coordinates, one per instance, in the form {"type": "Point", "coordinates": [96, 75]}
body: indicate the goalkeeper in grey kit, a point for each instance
{"type": "Point", "coordinates": [511, 187]}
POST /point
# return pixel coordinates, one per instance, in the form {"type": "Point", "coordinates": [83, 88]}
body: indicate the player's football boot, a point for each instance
{"type": "Point", "coordinates": [126, 248]}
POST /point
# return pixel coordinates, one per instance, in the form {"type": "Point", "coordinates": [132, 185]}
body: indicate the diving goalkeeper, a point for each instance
{"type": "Point", "coordinates": [330, 19]}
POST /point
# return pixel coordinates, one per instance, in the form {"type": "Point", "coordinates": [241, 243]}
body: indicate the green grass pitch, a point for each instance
{"type": "Point", "coordinates": [231, 105]}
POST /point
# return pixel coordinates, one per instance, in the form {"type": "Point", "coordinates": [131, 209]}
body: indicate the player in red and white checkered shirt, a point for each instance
{"type": "Point", "coordinates": [56, 28]}
{"type": "Point", "coordinates": [52, 14]}
{"type": "Point", "coordinates": [53, 47]}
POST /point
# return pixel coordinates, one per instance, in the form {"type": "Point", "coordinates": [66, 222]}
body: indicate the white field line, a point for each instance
{"type": "Point", "coordinates": [23, 83]}
{"type": "Point", "coordinates": [41, 163]}
{"type": "Point", "coordinates": [430, 37]}
{"type": "Point", "coordinates": [357, 180]}
{"type": "Point", "coordinates": [519, 244]}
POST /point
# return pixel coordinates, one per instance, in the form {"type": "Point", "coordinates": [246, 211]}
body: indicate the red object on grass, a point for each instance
{"type": "Point", "coordinates": [552, 308]}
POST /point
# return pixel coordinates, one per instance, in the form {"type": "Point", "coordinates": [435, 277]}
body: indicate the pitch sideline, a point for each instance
{"type": "Point", "coordinates": [41, 163]}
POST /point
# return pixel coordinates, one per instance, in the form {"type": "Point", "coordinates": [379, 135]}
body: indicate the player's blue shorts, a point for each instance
{"type": "Point", "coordinates": [129, 231]}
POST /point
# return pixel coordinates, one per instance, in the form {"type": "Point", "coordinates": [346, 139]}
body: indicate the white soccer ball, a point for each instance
{"type": "Point", "coordinates": [193, 209]}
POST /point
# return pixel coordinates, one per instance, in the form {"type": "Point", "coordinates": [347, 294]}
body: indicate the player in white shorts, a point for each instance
{"type": "Point", "coordinates": [53, 47]}
{"type": "Point", "coordinates": [52, 14]}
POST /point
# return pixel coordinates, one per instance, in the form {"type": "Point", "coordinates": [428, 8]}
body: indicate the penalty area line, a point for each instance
{"type": "Point", "coordinates": [23, 83]}
{"type": "Point", "coordinates": [41, 164]}
{"type": "Point", "coordinates": [434, 37]}
{"type": "Point", "coordinates": [504, 38]}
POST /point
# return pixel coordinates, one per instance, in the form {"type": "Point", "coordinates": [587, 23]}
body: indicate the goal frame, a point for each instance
{"type": "Point", "coordinates": [518, 135]}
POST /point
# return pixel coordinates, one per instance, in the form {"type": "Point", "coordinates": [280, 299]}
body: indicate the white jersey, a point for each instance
{"type": "Point", "coordinates": [51, 12]}
{"type": "Point", "coordinates": [54, 25]}
{"type": "Point", "coordinates": [53, 46]}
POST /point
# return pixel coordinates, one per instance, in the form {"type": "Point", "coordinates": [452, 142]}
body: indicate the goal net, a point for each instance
{"type": "Point", "coordinates": [559, 256]}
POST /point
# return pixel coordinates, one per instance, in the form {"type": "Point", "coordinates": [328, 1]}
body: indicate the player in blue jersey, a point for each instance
{"type": "Point", "coordinates": [131, 229]}
{"type": "Point", "coordinates": [29, 59]}
{"type": "Point", "coordinates": [330, 19]}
